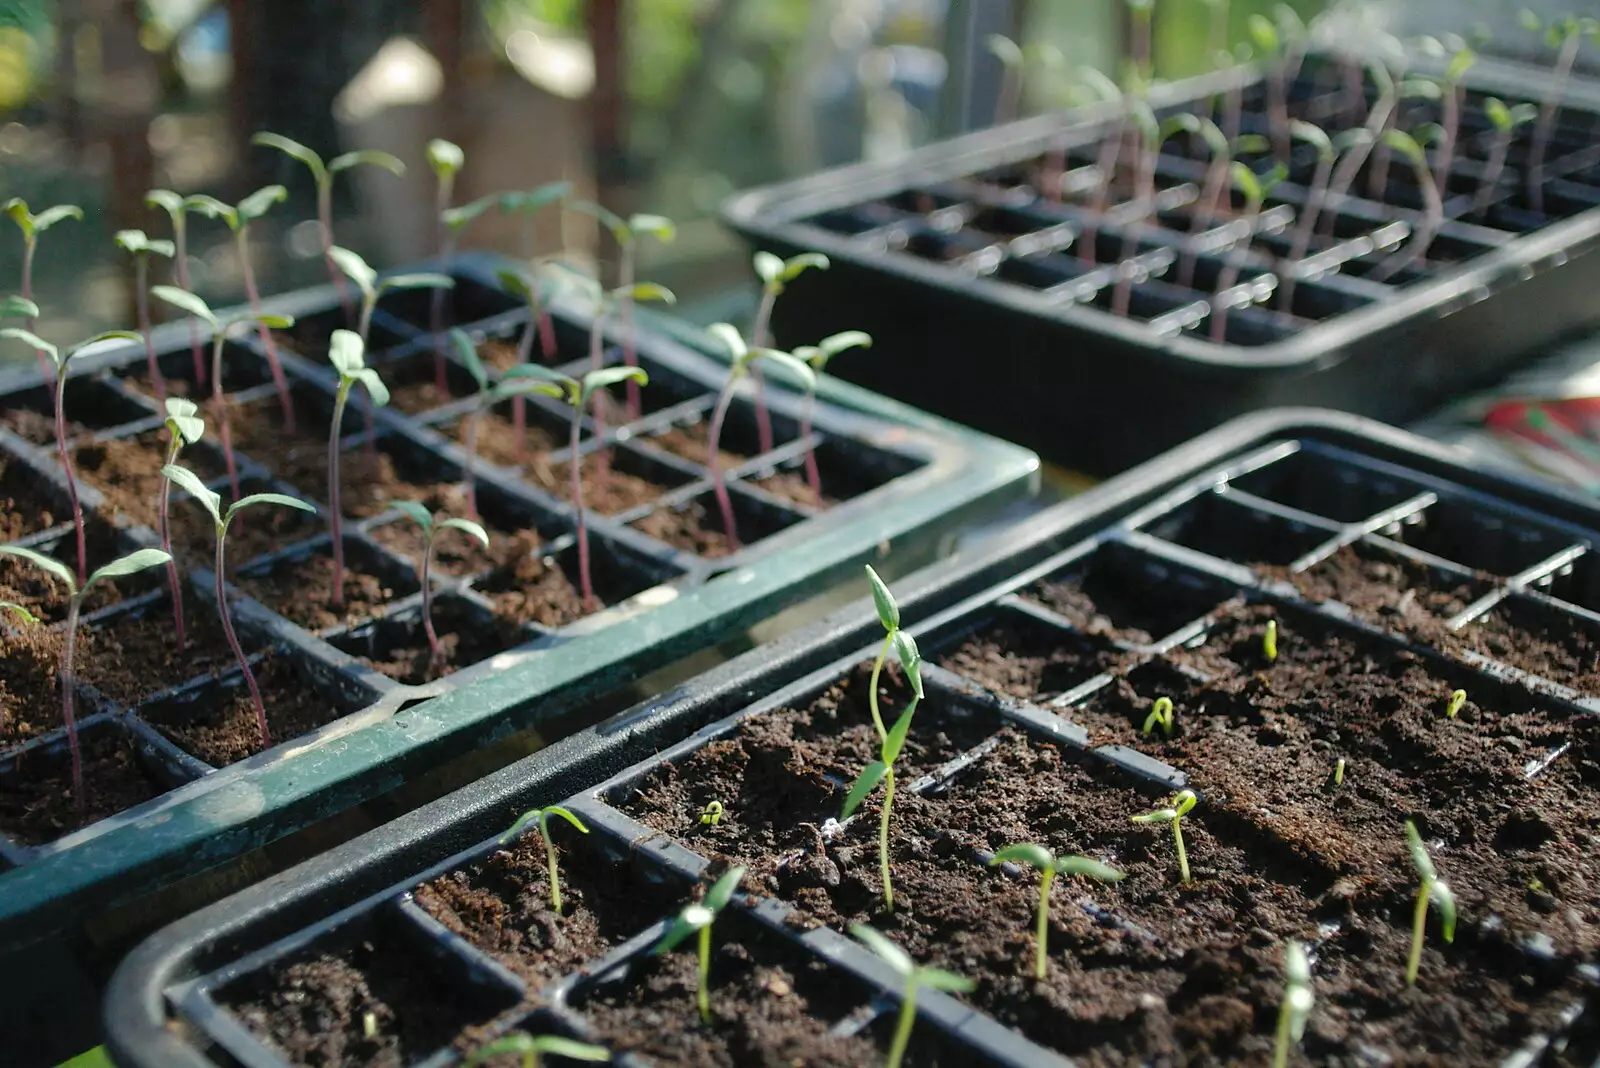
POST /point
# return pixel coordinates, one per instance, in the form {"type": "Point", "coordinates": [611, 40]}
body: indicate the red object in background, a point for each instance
{"type": "Point", "coordinates": [1569, 428]}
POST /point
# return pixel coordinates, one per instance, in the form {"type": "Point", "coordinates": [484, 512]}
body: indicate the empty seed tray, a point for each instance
{"type": "Point", "coordinates": [1100, 331]}
{"type": "Point", "coordinates": [1393, 577]}
{"type": "Point", "coordinates": [175, 779]}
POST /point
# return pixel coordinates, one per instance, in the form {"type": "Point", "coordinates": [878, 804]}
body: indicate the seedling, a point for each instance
{"type": "Point", "coordinates": [20, 612]}
{"type": "Point", "coordinates": [529, 204]}
{"type": "Point", "coordinates": [373, 287]}
{"type": "Point", "coordinates": [447, 159]}
{"type": "Point", "coordinates": [178, 209]}
{"type": "Point", "coordinates": [1434, 889]}
{"type": "Point", "coordinates": [541, 817]}
{"type": "Point", "coordinates": [323, 175]}
{"type": "Point", "coordinates": [32, 226]}
{"type": "Point", "coordinates": [1106, 160]}
{"type": "Point", "coordinates": [1567, 33]}
{"type": "Point", "coordinates": [190, 483]}
{"type": "Point", "coordinates": [531, 1049]}
{"type": "Point", "coordinates": [697, 919]}
{"type": "Point", "coordinates": [626, 233]}
{"type": "Point", "coordinates": [711, 815]}
{"type": "Point", "coordinates": [818, 356]}
{"type": "Point", "coordinates": [914, 978]}
{"type": "Point", "coordinates": [1451, 92]}
{"type": "Point", "coordinates": [1140, 13]}
{"type": "Point", "coordinates": [537, 284]}
{"type": "Point", "coordinates": [58, 365]}
{"type": "Point", "coordinates": [1009, 54]}
{"type": "Point", "coordinates": [347, 353]}
{"type": "Point", "coordinates": [743, 358]}
{"type": "Point", "coordinates": [623, 297]}
{"type": "Point", "coordinates": [239, 217]}
{"type": "Point", "coordinates": [1505, 121]}
{"type": "Point", "coordinates": [1298, 999]}
{"type": "Point", "coordinates": [487, 398]}
{"type": "Point", "coordinates": [183, 300]}
{"type": "Point", "coordinates": [1433, 210]}
{"type": "Point", "coordinates": [141, 248]}
{"type": "Point", "coordinates": [1173, 814]}
{"type": "Point", "coordinates": [1269, 641]}
{"type": "Point", "coordinates": [184, 427]}
{"type": "Point", "coordinates": [904, 645]}
{"type": "Point", "coordinates": [1161, 715]}
{"type": "Point", "coordinates": [1350, 163]}
{"type": "Point", "coordinates": [1050, 866]}
{"type": "Point", "coordinates": [1458, 699]}
{"type": "Point", "coordinates": [77, 591]}
{"type": "Point", "coordinates": [1255, 189]}
{"type": "Point", "coordinates": [1328, 150]}
{"type": "Point", "coordinates": [1151, 134]}
{"type": "Point", "coordinates": [432, 526]}
{"type": "Point", "coordinates": [1269, 46]}
{"type": "Point", "coordinates": [1214, 187]}
{"type": "Point", "coordinates": [1338, 774]}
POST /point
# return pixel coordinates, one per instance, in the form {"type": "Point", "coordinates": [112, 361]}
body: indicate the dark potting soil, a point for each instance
{"type": "Point", "coordinates": [416, 397]}
{"type": "Point", "coordinates": [618, 491]}
{"type": "Point", "coordinates": [1106, 605]}
{"type": "Point", "coordinates": [300, 590]}
{"type": "Point", "coordinates": [38, 427]}
{"type": "Point", "coordinates": [220, 727]}
{"type": "Point", "coordinates": [462, 643]}
{"type": "Point", "coordinates": [254, 532]}
{"type": "Point", "coordinates": [127, 472]}
{"type": "Point", "coordinates": [1390, 591]}
{"type": "Point", "coordinates": [1539, 640]}
{"type": "Point", "coordinates": [792, 486]}
{"type": "Point", "coordinates": [23, 509]}
{"type": "Point", "coordinates": [692, 443]}
{"type": "Point", "coordinates": [497, 438]}
{"type": "Point", "coordinates": [530, 588]}
{"type": "Point", "coordinates": [317, 1010]}
{"type": "Point", "coordinates": [36, 802]}
{"type": "Point", "coordinates": [695, 527]}
{"type": "Point", "coordinates": [454, 554]}
{"type": "Point", "coordinates": [1031, 661]}
{"type": "Point", "coordinates": [30, 686]}
{"type": "Point", "coordinates": [26, 584]}
{"type": "Point", "coordinates": [135, 656]}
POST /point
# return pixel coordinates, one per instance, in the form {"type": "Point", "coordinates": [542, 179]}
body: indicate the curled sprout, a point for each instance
{"type": "Point", "coordinates": [531, 1049]}
{"type": "Point", "coordinates": [1050, 866]}
{"type": "Point", "coordinates": [711, 815]}
{"type": "Point", "coordinates": [1269, 641]}
{"type": "Point", "coordinates": [1161, 715]}
{"type": "Point", "coordinates": [541, 816]}
{"type": "Point", "coordinates": [1338, 774]}
{"type": "Point", "coordinates": [1453, 707]}
{"type": "Point", "coordinates": [1173, 814]}
{"type": "Point", "coordinates": [697, 918]}
{"type": "Point", "coordinates": [914, 978]}
{"type": "Point", "coordinates": [1298, 998]}
{"type": "Point", "coordinates": [1432, 889]}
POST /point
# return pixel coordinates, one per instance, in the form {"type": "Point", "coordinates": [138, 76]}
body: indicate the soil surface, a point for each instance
{"type": "Point", "coordinates": [39, 427]}
{"type": "Point", "coordinates": [301, 590]}
{"type": "Point", "coordinates": [497, 438]}
{"type": "Point", "coordinates": [620, 490]}
{"type": "Point", "coordinates": [530, 588]}
{"type": "Point", "coordinates": [1541, 640]}
{"type": "Point", "coordinates": [36, 802]}
{"type": "Point", "coordinates": [127, 472]}
{"type": "Point", "coordinates": [695, 527]}
{"type": "Point", "coordinates": [1110, 605]}
{"type": "Point", "coordinates": [454, 554]}
{"type": "Point", "coordinates": [1392, 591]}
{"type": "Point", "coordinates": [254, 532]}
{"type": "Point", "coordinates": [23, 508]}
{"type": "Point", "coordinates": [30, 686]}
{"type": "Point", "coordinates": [691, 442]}
{"type": "Point", "coordinates": [135, 656]}
{"type": "Point", "coordinates": [43, 595]}
{"type": "Point", "coordinates": [219, 726]}
{"type": "Point", "coordinates": [1030, 660]}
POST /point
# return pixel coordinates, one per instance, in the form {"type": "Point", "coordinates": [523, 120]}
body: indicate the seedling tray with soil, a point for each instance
{"type": "Point", "coordinates": [1135, 330]}
{"type": "Point", "coordinates": [1392, 578]}
{"type": "Point", "coordinates": [354, 699]}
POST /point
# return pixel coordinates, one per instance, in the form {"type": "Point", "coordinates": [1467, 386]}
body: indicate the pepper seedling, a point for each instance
{"type": "Point", "coordinates": [21, 612]}
{"type": "Point", "coordinates": [183, 300]}
{"type": "Point", "coordinates": [1161, 715]}
{"type": "Point", "coordinates": [446, 159]}
{"type": "Point", "coordinates": [528, 204]}
{"type": "Point", "coordinates": [914, 978]}
{"type": "Point", "coordinates": [1431, 889]}
{"type": "Point", "coordinates": [1269, 641]}
{"type": "Point", "coordinates": [537, 284]}
{"type": "Point", "coordinates": [541, 817]}
{"type": "Point", "coordinates": [1173, 814]}
{"type": "Point", "coordinates": [1255, 189]}
{"type": "Point", "coordinates": [775, 275]}
{"type": "Point", "coordinates": [141, 248]}
{"type": "Point", "coordinates": [1338, 774]}
{"type": "Point", "coordinates": [177, 208]}
{"type": "Point", "coordinates": [184, 427]}
{"type": "Point", "coordinates": [1328, 151]}
{"type": "Point", "coordinates": [1351, 162]}
{"type": "Point", "coordinates": [323, 175]}
{"type": "Point", "coordinates": [1050, 866]}
{"type": "Point", "coordinates": [1298, 1000]}
{"type": "Point", "coordinates": [1215, 186]}
{"type": "Point", "coordinates": [1458, 699]}
{"type": "Point", "coordinates": [1451, 92]}
{"type": "Point", "coordinates": [486, 398]}
{"type": "Point", "coordinates": [347, 353]}
{"type": "Point", "coordinates": [432, 526]}
{"type": "Point", "coordinates": [1565, 35]}
{"type": "Point", "coordinates": [1505, 121]}
{"type": "Point", "coordinates": [32, 226]}
{"type": "Point", "coordinates": [697, 919]}
{"type": "Point", "coordinates": [58, 364]}
{"type": "Point", "coordinates": [531, 1049]}
{"type": "Point", "coordinates": [743, 357]}
{"type": "Point", "coordinates": [134, 562]}
{"type": "Point", "coordinates": [372, 287]}
{"type": "Point", "coordinates": [623, 297]}
{"type": "Point", "coordinates": [711, 815]}
{"type": "Point", "coordinates": [238, 218]}
{"type": "Point", "coordinates": [1150, 136]}
{"type": "Point", "coordinates": [626, 233]}
{"type": "Point", "coordinates": [190, 483]}
{"type": "Point", "coordinates": [817, 357]}
{"type": "Point", "coordinates": [1433, 210]}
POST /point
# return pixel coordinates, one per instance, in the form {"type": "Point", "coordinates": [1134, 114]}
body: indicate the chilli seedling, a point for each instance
{"type": "Point", "coordinates": [185, 301]}
{"type": "Point", "coordinates": [626, 233]}
{"type": "Point", "coordinates": [58, 364]}
{"type": "Point", "coordinates": [323, 175]}
{"type": "Point", "coordinates": [1431, 889]}
{"type": "Point", "coordinates": [1327, 150]}
{"type": "Point", "coordinates": [817, 357]}
{"type": "Point", "coordinates": [1298, 999]}
{"type": "Point", "coordinates": [541, 817]}
{"type": "Point", "coordinates": [190, 483]}
{"type": "Point", "coordinates": [1269, 641]}
{"type": "Point", "coordinates": [711, 815]}
{"type": "Point", "coordinates": [623, 297]}
{"type": "Point", "coordinates": [1338, 774]}
{"type": "Point", "coordinates": [1255, 189]}
{"type": "Point", "coordinates": [528, 204]}
{"type": "Point", "coordinates": [537, 284]}
{"type": "Point", "coordinates": [1161, 715]}
{"type": "Point", "coordinates": [1433, 204]}
{"type": "Point", "coordinates": [1505, 121]}
{"type": "Point", "coordinates": [432, 526]}
{"type": "Point", "coordinates": [32, 226]}
{"type": "Point", "coordinates": [743, 357]}
{"type": "Point", "coordinates": [1215, 186]}
{"type": "Point", "coordinates": [177, 208]}
{"type": "Point", "coordinates": [696, 919]}
{"type": "Point", "coordinates": [914, 980]}
{"type": "Point", "coordinates": [1565, 35]}
{"type": "Point", "coordinates": [238, 218]}
{"type": "Point", "coordinates": [1050, 866]}
{"type": "Point", "coordinates": [373, 287]}
{"type": "Point", "coordinates": [184, 427]}
{"type": "Point", "coordinates": [134, 562]}
{"type": "Point", "coordinates": [1350, 164]}
{"type": "Point", "coordinates": [775, 275]}
{"type": "Point", "coordinates": [347, 353]}
{"type": "Point", "coordinates": [1452, 707]}
{"type": "Point", "coordinates": [531, 1050]}
{"type": "Point", "coordinates": [141, 248]}
{"type": "Point", "coordinates": [1451, 92]}
{"type": "Point", "coordinates": [1173, 814]}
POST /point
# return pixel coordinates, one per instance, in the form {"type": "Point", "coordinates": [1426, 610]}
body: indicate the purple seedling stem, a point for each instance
{"type": "Point", "coordinates": [1568, 34]}
{"type": "Point", "coordinates": [432, 526]}
{"type": "Point", "coordinates": [816, 357]}
{"type": "Point", "coordinates": [1255, 189]}
{"type": "Point", "coordinates": [775, 275]}
{"type": "Point", "coordinates": [142, 248]}
{"type": "Point", "coordinates": [1433, 211]}
{"type": "Point", "coordinates": [178, 209]}
{"type": "Point", "coordinates": [32, 226]}
{"type": "Point", "coordinates": [184, 427]}
{"type": "Point", "coordinates": [347, 353]}
{"type": "Point", "coordinates": [1505, 121]}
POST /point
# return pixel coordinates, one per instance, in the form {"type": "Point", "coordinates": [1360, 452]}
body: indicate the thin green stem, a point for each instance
{"type": "Point", "coordinates": [902, 1030]}
{"type": "Point", "coordinates": [704, 994]}
{"type": "Point", "coordinates": [872, 690]}
{"type": "Point", "coordinates": [1280, 1056]}
{"type": "Point", "coordinates": [550, 856]}
{"type": "Point", "coordinates": [436, 654]}
{"type": "Point", "coordinates": [1419, 928]}
{"type": "Point", "coordinates": [883, 838]}
{"type": "Point", "coordinates": [334, 518]}
{"type": "Point", "coordinates": [1042, 935]}
{"type": "Point", "coordinates": [1183, 857]}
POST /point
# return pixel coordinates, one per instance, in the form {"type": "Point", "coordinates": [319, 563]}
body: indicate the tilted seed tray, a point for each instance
{"type": "Point", "coordinates": [345, 729]}
{"type": "Point", "coordinates": [994, 306]}
{"type": "Point", "coordinates": [1044, 651]}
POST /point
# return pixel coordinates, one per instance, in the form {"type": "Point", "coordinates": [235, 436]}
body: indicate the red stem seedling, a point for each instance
{"type": "Point", "coordinates": [1505, 121]}
{"type": "Point", "coordinates": [432, 526]}
{"type": "Point", "coordinates": [606, 305]}
{"type": "Point", "coordinates": [347, 353]}
{"type": "Point", "coordinates": [1451, 93]}
{"type": "Point", "coordinates": [77, 591]}
{"type": "Point", "coordinates": [1255, 189]}
{"type": "Point", "coordinates": [1212, 190]}
{"type": "Point", "coordinates": [142, 248]}
{"type": "Point", "coordinates": [626, 233]}
{"type": "Point", "coordinates": [1316, 195]}
{"type": "Point", "coordinates": [1151, 136]}
{"type": "Point", "coordinates": [741, 356]}
{"type": "Point", "coordinates": [190, 483]}
{"type": "Point", "coordinates": [1349, 165]}
{"type": "Point", "coordinates": [178, 209]}
{"type": "Point", "coordinates": [32, 226]}
{"type": "Point", "coordinates": [1107, 159]}
{"type": "Point", "coordinates": [528, 204]}
{"type": "Point", "coordinates": [775, 275]}
{"type": "Point", "coordinates": [1565, 35]}
{"type": "Point", "coordinates": [1433, 205]}
{"type": "Point", "coordinates": [537, 284]}
{"type": "Point", "coordinates": [446, 159]}
{"type": "Point", "coordinates": [58, 365]}
{"type": "Point", "coordinates": [817, 357]}
{"type": "Point", "coordinates": [540, 818]}
{"type": "Point", "coordinates": [184, 427]}
{"type": "Point", "coordinates": [323, 176]}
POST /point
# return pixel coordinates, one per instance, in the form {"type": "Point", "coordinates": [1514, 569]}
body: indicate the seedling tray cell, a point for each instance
{"type": "Point", "coordinates": [1101, 337]}
{"type": "Point", "coordinates": [523, 648]}
{"type": "Point", "coordinates": [1043, 655]}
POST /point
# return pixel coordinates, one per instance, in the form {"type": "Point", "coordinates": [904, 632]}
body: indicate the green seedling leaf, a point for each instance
{"type": "Point", "coordinates": [1004, 49]}
{"type": "Point", "coordinates": [609, 219]}
{"type": "Point", "coordinates": [1458, 700]}
{"type": "Point", "coordinates": [865, 783]}
{"type": "Point", "coordinates": [354, 268]}
{"type": "Point", "coordinates": [458, 217]}
{"type": "Point", "coordinates": [1264, 34]}
{"type": "Point", "coordinates": [295, 150]}
{"type": "Point", "coordinates": [1530, 21]}
{"type": "Point", "coordinates": [1244, 180]}
{"type": "Point", "coordinates": [896, 738]}
{"type": "Point", "coordinates": [48, 564]}
{"type": "Point", "coordinates": [134, 562]}
{"type": "Point", "coordinates": [884, 949]}
{"type": "Point", "coordinates": [528, 1047]}
{"type": "Point", "coordinates": [769, 268]}
{"type": "Point", "coordinates": [1092, 868]}
{"type": "Point", "coordinates": [445, 157]}
{"type": "Point", "coordinates": [185, 301]}
{"type": "Point", "coordinates": [1460, 63]}
{"type": "Point", "coordinates": [1024, 853]}
{"type": "Point", "coordinates": [1406, 145]}
{"type": "Point", "coordinates": [657, 226]}
{"type": "Point", "coordinates": [472, 530]}
{"type": "Point", "coordinates": [793, 364]}
{"type": "Point", "coordinates": [533, 378]}
{"type": "Point", "coordinates": [1420, 88]}
{"type": "Point", "coordinates": [417, 513]}
{"type": "Point", "coordinates": [50, 216]}
{"type": "Point", "coordinates": [213, 208]}
{"type": "Point", "coordinates": [190, 483]}
{"type": "Point", "coordinates": [515, 280]}
{"type": "Point", "coordinates": [731, 339]}
{"type": "Point", "coordinates": [375, 387]}
{"type": "Point", "coordinates": [423, 280]}
{"type": "Point", "coordinates": [795, 265]}
{"type": "Point", "coordinates": [721, 891]}
{"type": "Point", "coordinates": [947, 982]}
{"type": "Point", "coordinates": [267, 498]}
{"type": "Point", "coordinates": [108, 339]}
{"type": "Point", "coordinates": [260, 202]}
{"type": "Point", "coordinates": [910, 659]}
{"type": "Point", "coordinates": [1419, 854]}
{"type": "Point", "coordinates": [33, 341]}
{"type": "Point", "coordinates": [1445, 902]}
{"type": "Point", "coordinates": [687, 922]}
{"type": "Point", "coordinates": [646, 291]}
{"type": "Point", "coordinates": [167, 201]}
{"type": "Point", "coordinates": [607, 377]}
{"type": "Point", "coordinates": [21, 612]}
{"type": "Point", "coordinates": [540, 197]}
{"type": "Point", "coordinates": [888, 610]}
{"type": "Point", "coordinates": [14, 307]}
{"type": "Point", "coordinates": [346, 352]}
{"type": "Point", "coordinates": [369, 156]}
{"type": "Point", "coordinates": [271, 322]}
{"type": "Point", "coordinates": [183, 417]}
{"type": "Point", "coordinates": [825, 350]}
{"type": "Point", "coordinates": [467, 353]}
{"type": "Point", "coordinates": [1313, 135]}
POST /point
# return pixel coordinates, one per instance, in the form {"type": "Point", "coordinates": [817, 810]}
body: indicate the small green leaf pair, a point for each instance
{"type": "Point", "coordinates": [1050, 866]}
{"type": "Point", "coordinates": [696, 919]}
{"type": "Point", "coordinates": [541, 817]}
{"type": "Point", "coordinates": [914, 979]}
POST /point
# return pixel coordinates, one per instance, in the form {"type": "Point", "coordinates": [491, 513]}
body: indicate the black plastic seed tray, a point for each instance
{"type": "Point", "coordinates": [354, 714]}
{"type": "Point", "coordinates": [1043, 651]}
{"type": "Point", "coordinates": [1101, 338]}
